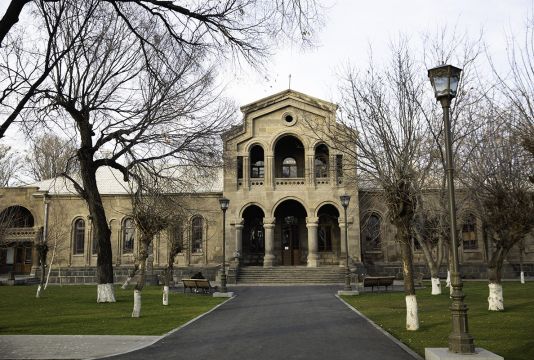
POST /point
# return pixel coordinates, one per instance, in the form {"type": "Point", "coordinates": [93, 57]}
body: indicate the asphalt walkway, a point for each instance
{"type": "Point", "coordinates": [290, 322]}
{"type": "Point", "coordinates": [286, 322]}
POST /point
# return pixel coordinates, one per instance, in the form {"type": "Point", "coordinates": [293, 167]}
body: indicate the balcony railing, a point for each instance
{"type": "Point", "coordinates": [289, 181]}
{"type": "Point", "coordinates": [18, 234]}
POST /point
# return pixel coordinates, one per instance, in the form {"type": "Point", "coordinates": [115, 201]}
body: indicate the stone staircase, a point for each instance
{"type": "Point", "coordinates": [290, 275]}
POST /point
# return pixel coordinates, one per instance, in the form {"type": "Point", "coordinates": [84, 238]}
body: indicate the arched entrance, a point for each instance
{"type": "Point", "coordinates": [291, 233]}
{"type": "Point", "coordinates": [253, 236]}
{"type": "Point", "coordinates": [328, 234]}
{"type": "Point", "coordinates": [16, 240]}
{"type": "Point", "coordinates": [289, 157]}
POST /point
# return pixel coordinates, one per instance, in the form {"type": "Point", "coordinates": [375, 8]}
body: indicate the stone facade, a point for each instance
{"type": "Point", "coordinates": [284, 187]}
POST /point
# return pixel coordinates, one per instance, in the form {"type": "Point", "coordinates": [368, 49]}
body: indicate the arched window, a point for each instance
{"type": "Point", "coordinates": [197, 232]}
{"type": "Point", "coordinates": [321, 161]}
{"type": "Point", "coordinates": [176, 238]}
{"type": "Point", "coordinates": [79, 237]}
{"type": "Point", "coordinates": [371, 233]}
{"type": "Point", "coordinates": [128, 236]}
{"type": "Point", "coordinates": [289, 168]}
{"type": "Point", "coordinates": [256, 162]}
{"type": "Point", "coordinates": [469, 233]}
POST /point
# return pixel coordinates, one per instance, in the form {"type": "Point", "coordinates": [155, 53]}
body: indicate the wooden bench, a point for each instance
{"type": "Point", "coordinates": [372, 281]}
{"type": "Point", "coordinates": [198, 286]}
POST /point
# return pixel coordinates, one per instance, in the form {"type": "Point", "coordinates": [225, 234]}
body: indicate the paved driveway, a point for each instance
{"type": "Point", "coordinates": [289, 322]}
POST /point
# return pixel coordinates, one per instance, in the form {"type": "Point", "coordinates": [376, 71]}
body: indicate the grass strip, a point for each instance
{"type": "Point", "coordinates": [72, 310]}
{"type": "Point", "coordinates": [509, 333]}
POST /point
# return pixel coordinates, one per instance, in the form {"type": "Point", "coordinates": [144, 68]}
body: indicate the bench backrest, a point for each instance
{"type": "Point", "coordinates": [378, 280]}
{"type": "Point", "coordinates": [189, 282]}
{"type": "Point", "coordinates": [197, 283]}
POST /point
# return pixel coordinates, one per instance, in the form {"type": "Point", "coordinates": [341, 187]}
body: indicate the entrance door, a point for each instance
{"type": "Point", "coordinates": [23, 258]}
{"type": "Point", "coordinates": [290, 245]}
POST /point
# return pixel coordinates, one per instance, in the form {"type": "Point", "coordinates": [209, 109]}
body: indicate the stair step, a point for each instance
{"type": "Point", "coordinates": [290, 275]}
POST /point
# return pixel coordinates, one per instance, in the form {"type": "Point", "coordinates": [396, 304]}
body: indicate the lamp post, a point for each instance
{"type": "Point", "coordinates": [445, 81]}
{"type": "Point", "coordinates": [345, 199]}
{"type": "Point", "coordinates": [224, 202]}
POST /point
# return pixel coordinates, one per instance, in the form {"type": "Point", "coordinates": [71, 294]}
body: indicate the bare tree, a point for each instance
{"type": "Point", "coordinates": [125, 113]}
{"type": "Point", "coordinates": [230, 29]}
{"type": "Point", "coordinates": [9, 165]}
{"type": "Point", "coordinates": [498, 172]}
{"type": "Point", "coordinates": [518, 86]}
{"type": "Point", "coordinates": [382, 133]}
{"type": "Point", "coordinates": [154, 209]}
{"type": "Point", "coordinates": [49, 157]}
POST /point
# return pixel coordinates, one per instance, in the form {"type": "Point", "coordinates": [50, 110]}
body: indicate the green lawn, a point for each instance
{"type": "Point", "coordinates": [509, 333]}
{"type": "Point", "coordinates": [73, 310]}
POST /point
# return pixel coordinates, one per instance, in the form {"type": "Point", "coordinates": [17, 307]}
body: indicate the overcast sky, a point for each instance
{"type": "Point", "coordinates": [352, 26]}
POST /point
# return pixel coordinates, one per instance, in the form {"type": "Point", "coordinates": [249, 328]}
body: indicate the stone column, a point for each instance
{"type": "Point", "coordinates": [343, 251]}
{"type": "Point", "coordinates": [313, 257]}
{"type": "Point", "coordinates": [269, 171]}
{"type": "Point", "coordinates": [310, 169]}
{"type": "Point", "coordinates": [268, 226]}
{"type": "Point", "coordinates": [238, 240]}
{"type": "Point", "coordinates": [246, 172]}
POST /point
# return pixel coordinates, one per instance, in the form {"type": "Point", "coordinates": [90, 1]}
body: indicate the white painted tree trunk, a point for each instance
{"type": "Point", "coordinates": [137, 304]}
{"type": "Point", "coordinates": [448, 281]}
{"type": "Point", "coordinates": [522, 276]}
{"type": "Point", "coordinates": [50, 268]}
{"type": "Point", "coordinates": [412, 317]}
{"type": "Point", "coordinates": [436, 286]}
{"type": "Point", "coordinates": [38, 294]}
{"type": "Point", "coordinates": [105, 293]}
{"type": "Point", "coordinates": [165, 295]}
{"type": "Point", "coordinates": [495, 299]}
{"type": "Point", "coordinates": [126, 283]}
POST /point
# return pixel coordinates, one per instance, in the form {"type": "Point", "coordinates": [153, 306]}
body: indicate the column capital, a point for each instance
{"type": "Point", "coordinates": [269, 226]}
{"type": "Point", "coordinates": [238, 222]}
{"type": "Point", "coordinates": [312, 219]}
{"type": "Point", "coordinates": [269, 221]}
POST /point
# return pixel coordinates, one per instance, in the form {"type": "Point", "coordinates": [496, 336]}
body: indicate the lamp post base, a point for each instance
{"type": "Point", "coordinates": [445, 354]}
{"type": "Point", "coordinates": [348, 293]}
{"type": "Point", "coordinates": [227, 294]}
{"type": "Point", "coordinates": [223, 283]}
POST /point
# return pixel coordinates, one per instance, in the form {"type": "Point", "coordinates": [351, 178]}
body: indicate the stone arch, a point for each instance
{"type": "Point", "coordinates": [256, 142]}
{"type": "Point", "coordinates": [284, 199]}
{"type": "Point", "coordinates": [282, 134]}
{"type": "Point", "coordinates": [17, 216]}
{"type": "Point", "coordinates": [244, 207]}
{"type": "Point", "coordinates": [327, 202]}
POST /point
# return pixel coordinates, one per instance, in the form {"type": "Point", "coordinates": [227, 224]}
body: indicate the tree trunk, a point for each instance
{"type": "Point", "coordinates": [10, 18]}
{"type": "Point", "coordinates": [167, 282]}
{"type": "Point", "coordinates": [433, 266]}
{"type": "Point", "coordinates": [130, 276]}
{"type": "Point", "coordinates": [143, 255]}
{"type": "Point", "coordinates": [42, 251]}
{"type": "Point", "coordinates": [412, 318]}
{"type": "Point", "coordinates": [101, 231]}
{"type": "Point", "coordinates": [495, 298]}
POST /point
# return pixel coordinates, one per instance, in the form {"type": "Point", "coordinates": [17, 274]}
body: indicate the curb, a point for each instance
{"type": "Point", "coordinates": [164, 335]}
{"type": "Point", "coordinates": [388, 335]}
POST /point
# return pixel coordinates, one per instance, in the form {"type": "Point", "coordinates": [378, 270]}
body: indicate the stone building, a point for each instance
{"type": "Point", "coordinates": [283, 185]}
